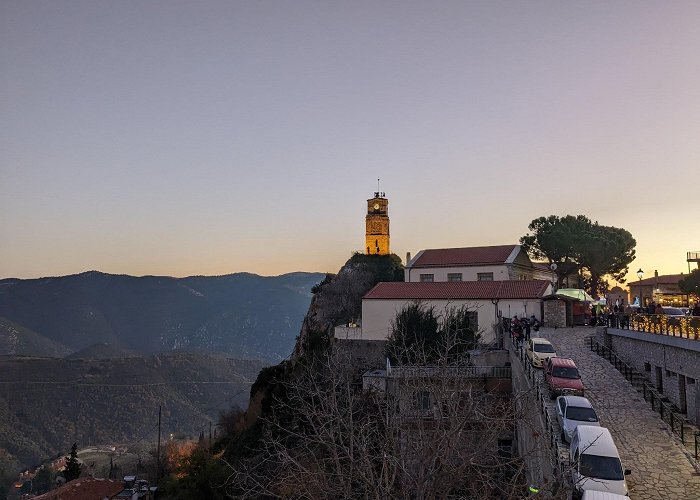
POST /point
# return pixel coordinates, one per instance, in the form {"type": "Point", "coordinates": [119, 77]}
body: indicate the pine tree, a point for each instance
{"type": "Point", "coordinates": [73, 466]}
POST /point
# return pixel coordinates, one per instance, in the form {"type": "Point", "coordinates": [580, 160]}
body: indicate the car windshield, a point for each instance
{"type": "Point", "coordinates": [595, 466]}
{"type": "Point", "coordinates": [581, 414]}
{"type": "Point", "coordinates": [564, 372]}
{"type": "Point", "coordinates": [543, 348]}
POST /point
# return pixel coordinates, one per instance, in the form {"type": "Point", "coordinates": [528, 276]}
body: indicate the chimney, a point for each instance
{"type": "Point", "coordinates": [656, 273]}
{"type": "Point", "coordinates": [408, 257]}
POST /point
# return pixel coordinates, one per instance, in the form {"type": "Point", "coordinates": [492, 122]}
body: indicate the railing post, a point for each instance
{"type": "Point", "coordinates": [682, 432]}
{"type": "Point", "coordinates": [644, 390]}
{"type": "Point", "coordinates": [661, 409]}
{"type": "Point", "coordinates": [651, 394]}
{"type": "Point", "coordinates": [671, 417]}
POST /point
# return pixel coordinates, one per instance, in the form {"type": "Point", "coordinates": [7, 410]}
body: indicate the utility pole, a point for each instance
{"type": "Point", "coordinates": [210, 436]}
{"type": "Point", "coordinates": [158, 449]}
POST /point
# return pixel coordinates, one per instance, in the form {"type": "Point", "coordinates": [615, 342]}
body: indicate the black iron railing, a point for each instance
{"type": "Point", "coordinates": [542, 397]}
{"type": "Point", "coordinates": [658, 402]}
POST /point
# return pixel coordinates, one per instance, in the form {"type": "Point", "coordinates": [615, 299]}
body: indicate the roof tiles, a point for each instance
{"type": "Point", "coordinates": [84, 488]}
{"type": "Point", "coordinates": [469, 256]}
{"type": "Point", "coordinates": [454, 290]}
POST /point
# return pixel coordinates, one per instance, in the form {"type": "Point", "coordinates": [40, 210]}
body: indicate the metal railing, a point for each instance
{"type": "Point", "coordinates": [674, 326]}
{"type": "Point", "coordinates": [541, 395]}
{"type": "Point", "coordinates": [449, 371]}
{"type": "Point", "coordinates": [651, 395]}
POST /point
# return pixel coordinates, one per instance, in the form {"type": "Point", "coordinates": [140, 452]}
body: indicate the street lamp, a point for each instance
{"type": "Point", "coordinates": [640, 273]}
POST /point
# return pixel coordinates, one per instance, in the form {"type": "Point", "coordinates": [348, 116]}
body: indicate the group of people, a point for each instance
{"type": "Point", "coordinates": [617, 316]}
{"type": "Point", "coordinates": [520, 328]}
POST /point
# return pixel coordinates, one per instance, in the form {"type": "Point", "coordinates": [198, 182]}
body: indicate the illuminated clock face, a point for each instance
{"type": "Point", "coordinates": [376, 206]}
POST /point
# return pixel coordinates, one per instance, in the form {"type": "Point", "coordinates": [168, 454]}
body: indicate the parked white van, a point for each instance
{"type": "Point", "coordinates": [595, 461]}
{"type": "Point", "coordinates": [602, 495]}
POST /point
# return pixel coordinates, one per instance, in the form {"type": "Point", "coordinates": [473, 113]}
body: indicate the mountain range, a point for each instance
{"type": "Point", "coordinates": [46, 404]}
{"type": "Point", "coordinates": [89, 358]}
{"type": "Point", "coordinates": [242, 315]}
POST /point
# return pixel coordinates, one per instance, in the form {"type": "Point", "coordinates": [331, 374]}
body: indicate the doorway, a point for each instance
{"type": "Point", "coordinates": [682, 394]}
{"type": "Point", "coordinates": [659, 380]}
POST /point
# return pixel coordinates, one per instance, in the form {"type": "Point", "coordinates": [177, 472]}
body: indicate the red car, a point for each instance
{"type": "Point", "coordinates": [562, 377]}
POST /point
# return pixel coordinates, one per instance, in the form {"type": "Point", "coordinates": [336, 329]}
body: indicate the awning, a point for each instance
{"type": "Point", "coordinates": [571, 294]}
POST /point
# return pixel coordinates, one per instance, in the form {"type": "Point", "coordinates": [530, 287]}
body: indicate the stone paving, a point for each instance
{"type": "Point", "coordinates": [660, 468]}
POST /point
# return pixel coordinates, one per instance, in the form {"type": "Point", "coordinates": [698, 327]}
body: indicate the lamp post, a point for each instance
{"type": "Point", "coordinates": [640, 273]}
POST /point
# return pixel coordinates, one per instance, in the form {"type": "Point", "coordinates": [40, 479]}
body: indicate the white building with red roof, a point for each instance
{"type": "Point", "coordinates": [489, 263]}
{"type": "Point", "coordinates": [490, 300]}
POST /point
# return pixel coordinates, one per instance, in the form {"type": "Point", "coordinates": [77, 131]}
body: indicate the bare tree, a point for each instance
{"type": "Point", "coordinates": [424, 431]}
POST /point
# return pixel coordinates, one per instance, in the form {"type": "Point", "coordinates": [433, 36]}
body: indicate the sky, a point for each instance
{"type": "Point", "coordinates": [205, 138]}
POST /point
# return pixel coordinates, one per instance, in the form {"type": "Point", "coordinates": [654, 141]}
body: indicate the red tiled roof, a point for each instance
{"type": "Point", "coordinates": [469, 256]}
{"type": "Point", "coordinates": [668, 279]}
{"type": "Point", "coordinates": [454, 290]}
{"type": "Point", "coordinates": [84, 488]}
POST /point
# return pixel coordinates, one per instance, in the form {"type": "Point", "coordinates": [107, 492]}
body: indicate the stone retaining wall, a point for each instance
{"type": "Point", "coordinates": [668, 362]}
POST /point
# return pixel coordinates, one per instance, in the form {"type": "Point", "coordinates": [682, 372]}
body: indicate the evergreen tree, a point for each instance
{"type": "Point", "coordinates": [73, 466]}
{"type": "Point", "coordinates": [43, 481]}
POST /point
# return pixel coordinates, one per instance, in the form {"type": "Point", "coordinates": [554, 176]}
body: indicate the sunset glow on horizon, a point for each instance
{"type": "Point", "coordinates": [209, 138]}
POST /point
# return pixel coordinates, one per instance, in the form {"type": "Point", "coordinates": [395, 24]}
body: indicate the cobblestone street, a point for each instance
{"type": "Point", "coordinates": [660, 469]}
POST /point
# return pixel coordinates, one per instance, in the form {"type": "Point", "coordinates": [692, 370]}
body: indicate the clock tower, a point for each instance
{"type": "Point", "coordinates": [377, 225]}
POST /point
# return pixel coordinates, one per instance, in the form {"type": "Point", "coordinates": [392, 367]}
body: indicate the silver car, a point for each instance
{"type": "Point", "coordinates": [573, 411]}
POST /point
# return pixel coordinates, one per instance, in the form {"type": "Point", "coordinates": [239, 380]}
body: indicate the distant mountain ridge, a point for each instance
{"type": "Point", "coordinates": [47, 404]}
{"type": "Point", "coordinates": [242, 315]}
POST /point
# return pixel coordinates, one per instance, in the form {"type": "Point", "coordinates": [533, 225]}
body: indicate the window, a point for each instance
{"type": "Point", "coordinates": [427, 278]}
{"type": "Point", "coordinates": [484, 276]}
{"type": "Point", "coordinates": [454, 276]}
{"type": "Point", "coordinates": [422, 400]}
{"type": "Point", "coordinates": [565, 372]}
{"type": "Point", "coordinates": [581, 414]}
{"type": "Point", "coordinates": [546, 348]}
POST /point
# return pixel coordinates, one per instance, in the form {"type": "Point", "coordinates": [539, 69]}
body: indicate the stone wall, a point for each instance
{"type": "Point", "coordinates": [668, 362]}
{"type": "Point", "coordinates": [555, 313]}
{"type": "Point", "coordinates": [364, 354]}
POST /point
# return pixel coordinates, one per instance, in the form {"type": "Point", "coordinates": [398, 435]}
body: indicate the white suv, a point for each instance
{"type": "Point", "coordinates": [596, 462]}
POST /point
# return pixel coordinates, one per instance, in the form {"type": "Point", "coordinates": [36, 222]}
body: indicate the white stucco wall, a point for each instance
{"type": "Point", "coordinates": [377, 315]}
{"type": "Point", "coordinates": [469, 273]}
{"type": "Point", "coordinates": [510, 308]}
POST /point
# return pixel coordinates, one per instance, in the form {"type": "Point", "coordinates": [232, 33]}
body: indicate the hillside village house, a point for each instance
{"type": "Point", "coordinates": [662, 290]}
{"type": "Point", "coordinates": [490, 300]}
{"type": "Point", "coordinates": [495, 281]}
{"type": "Point", "coordinates": [489, 263]}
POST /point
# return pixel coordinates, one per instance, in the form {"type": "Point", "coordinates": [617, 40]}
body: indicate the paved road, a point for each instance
{"type": "Point", "coordinates": [660, 469]}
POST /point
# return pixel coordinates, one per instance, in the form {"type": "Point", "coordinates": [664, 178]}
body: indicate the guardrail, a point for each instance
{"type": "Point", "coordinates": [674, 326]}
{"type": "Point", "coordinates": [651, 395]}
{"type": "Point", "coordinates": [532, 374]}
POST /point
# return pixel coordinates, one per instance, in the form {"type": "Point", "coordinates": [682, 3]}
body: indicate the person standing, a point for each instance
{"type": "Point", "coordinates": [526, 325]}
{"type": "Point", "coordinates": [696, 309]}
{"type": "Point", "coordinates": [627, 314]}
